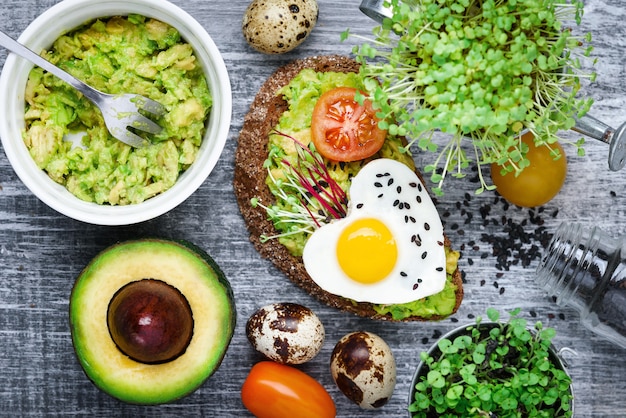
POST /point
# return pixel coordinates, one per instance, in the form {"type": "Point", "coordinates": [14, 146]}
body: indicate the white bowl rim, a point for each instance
{"type": "Point", "coordinates": [55, 195]}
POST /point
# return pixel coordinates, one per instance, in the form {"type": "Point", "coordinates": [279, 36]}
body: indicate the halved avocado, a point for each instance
{"type": "Point", "coordinates": [185, 276]}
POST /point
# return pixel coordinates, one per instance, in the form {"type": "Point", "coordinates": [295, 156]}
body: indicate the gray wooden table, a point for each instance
{"type": "Point", "coordinates": [41, 251]}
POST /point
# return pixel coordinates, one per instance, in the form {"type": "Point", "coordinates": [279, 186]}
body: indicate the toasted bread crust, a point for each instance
{"type": "Point", "coordinates": [249, 182]}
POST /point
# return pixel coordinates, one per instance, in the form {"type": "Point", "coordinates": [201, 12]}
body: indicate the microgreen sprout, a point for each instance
{"type": "Point", "coordinates": [483, 70]}
{"type": "Point", "coordinates": [498, 369]}
{"type": "Point", "coordinates": [307, 195]}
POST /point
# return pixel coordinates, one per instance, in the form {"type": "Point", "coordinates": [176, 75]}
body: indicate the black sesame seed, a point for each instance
{"type": "Point", "coordinates": [390, 182]}
{"type": "Point", "coordinates": [439, 269]}
{"type": "Point", "coordinates": [412, 219]}
{"type": "Point", "coordinates": [380, 196]}
{"type": "Point", "coordinates": [359, 206]}
{"type": "Point", "coordinates": [399, 189]}
{"type": "Point", "coordinates": [425, 340]}
{"type": "Point", "coordinates": [424, 255]}
{"type": "Point", "coordinates": [378, 184]}
{"type": "Point", "coordinates": [501, 290]}
{"type": "Point", "coordinates": [403, 274]}
{"type": "Point", "coordinates": [418, 199]}
{"type": "Point", "coordinates": [415, 286]}
{"type": "Point", "coordinates": [396, 202]}
{"type": "Point", "coordinates": [406, 206]}
{"type": "Point", "coordinates": [426, 226]}
{"type": "Point", "coordinates": [413, 184]}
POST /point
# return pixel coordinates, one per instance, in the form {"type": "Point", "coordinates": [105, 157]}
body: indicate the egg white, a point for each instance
{"type": "Point", "coordinates": [391, 192]}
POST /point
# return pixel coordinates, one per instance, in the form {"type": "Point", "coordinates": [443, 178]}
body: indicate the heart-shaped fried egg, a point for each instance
{"type": "Point", "coordinates": [389, 248]}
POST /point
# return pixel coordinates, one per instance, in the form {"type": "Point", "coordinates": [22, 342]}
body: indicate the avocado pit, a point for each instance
{"type": "Point", "coordinates": [150, 321]}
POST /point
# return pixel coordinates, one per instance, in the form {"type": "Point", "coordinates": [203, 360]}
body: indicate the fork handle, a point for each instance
{"type": "Point", "coordinates": [19, 49]}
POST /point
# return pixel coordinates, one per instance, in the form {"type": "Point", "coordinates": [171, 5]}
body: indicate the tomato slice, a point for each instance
{"type": "Point", "coordinates": [342, 129]}
{"type": "Point", "coordinates": [274, 390]}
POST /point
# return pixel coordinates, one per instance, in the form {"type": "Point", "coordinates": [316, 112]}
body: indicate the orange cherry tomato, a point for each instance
{"type": "Point", "coordinates": [342, 129]}
{"type": "Point", "coordinates": [537, 183]}
{"type": "Point", "coordinates": [274, 390]}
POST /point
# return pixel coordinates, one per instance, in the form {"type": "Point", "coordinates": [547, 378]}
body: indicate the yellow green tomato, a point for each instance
{"type": "Point", "coordinates": [536, 184]}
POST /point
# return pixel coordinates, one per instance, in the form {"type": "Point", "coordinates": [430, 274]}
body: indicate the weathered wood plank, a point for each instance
{"type": "Point", "coordinates": [41, 251]}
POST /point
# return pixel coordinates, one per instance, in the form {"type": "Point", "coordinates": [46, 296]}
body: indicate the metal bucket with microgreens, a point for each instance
{"type": "Point", "coordinates": [404, 22]}
{"type": "Point", "coordinates": [545, 371]}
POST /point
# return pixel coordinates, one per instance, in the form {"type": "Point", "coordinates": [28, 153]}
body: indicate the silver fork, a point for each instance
{"type": "Point", "coordinates": [120, 112]}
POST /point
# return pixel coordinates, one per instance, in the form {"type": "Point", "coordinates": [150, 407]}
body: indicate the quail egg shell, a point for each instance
{"type": "Point", "coordinates": [278, 26]}
{"type": "Point", "coordinates": [286, 333]}
{"type": "Point", "coordinates": [364, 369]}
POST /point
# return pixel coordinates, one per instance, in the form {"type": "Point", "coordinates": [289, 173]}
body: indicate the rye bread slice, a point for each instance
{"type": "Point", "coordinates": [249, 182]}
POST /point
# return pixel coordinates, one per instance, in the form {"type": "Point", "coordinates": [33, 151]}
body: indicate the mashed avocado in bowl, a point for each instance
{"type": "Point", "coordinates": [56, 140]}
{"type": "Point", "coordinates": [121, 54]}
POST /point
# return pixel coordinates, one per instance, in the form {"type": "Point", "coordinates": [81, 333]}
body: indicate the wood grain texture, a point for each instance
{"type": "Point", "coordinates": [41, 251]}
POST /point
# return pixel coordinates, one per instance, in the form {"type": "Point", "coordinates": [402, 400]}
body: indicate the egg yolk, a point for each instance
{"type": "Point", "coordinates": [367, 251]}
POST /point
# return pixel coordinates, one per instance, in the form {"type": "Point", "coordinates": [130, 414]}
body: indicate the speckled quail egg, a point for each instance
{"type": "Point", "coordinates": [287, 333]}
{"type": "Point", "coordinates": [364, 369]}
{"type": "Point", "coordinates": [278, 26]}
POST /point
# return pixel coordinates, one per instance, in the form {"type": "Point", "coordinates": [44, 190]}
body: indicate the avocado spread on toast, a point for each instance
{"type": "Point", "coordinates": [285, 148]}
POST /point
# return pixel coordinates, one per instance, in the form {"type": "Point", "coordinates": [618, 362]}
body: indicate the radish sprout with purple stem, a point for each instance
{"type": "Point", "coordinates": [313, 196]}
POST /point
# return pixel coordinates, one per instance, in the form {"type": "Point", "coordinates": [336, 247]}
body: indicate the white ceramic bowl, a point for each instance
{"type": "Point", "coordinates": [39, 35]}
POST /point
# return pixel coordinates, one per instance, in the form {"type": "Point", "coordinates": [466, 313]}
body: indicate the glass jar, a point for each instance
{"type": "Point", "coordinates": [586, 269]}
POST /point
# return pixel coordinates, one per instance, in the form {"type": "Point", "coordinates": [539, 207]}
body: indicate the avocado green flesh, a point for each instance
{"type": "Point", "coordinates": [182, 266]}
{"type": "Point", "coordinates": [302, 93]}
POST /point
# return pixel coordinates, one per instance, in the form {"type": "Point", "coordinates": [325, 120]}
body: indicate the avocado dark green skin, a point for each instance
{"type": "Point", "coordinates": [197, 362]}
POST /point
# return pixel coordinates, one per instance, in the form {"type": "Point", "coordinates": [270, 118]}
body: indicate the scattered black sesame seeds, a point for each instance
{"type": "Point", "coordinates": [511, 236]}
{"type": "Point", "coordinates": [518, 242]}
